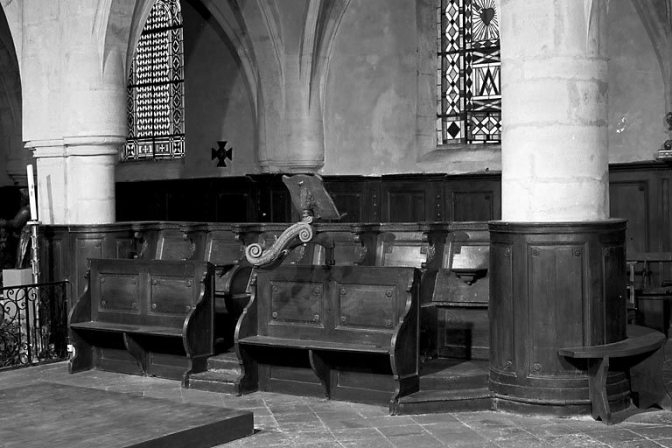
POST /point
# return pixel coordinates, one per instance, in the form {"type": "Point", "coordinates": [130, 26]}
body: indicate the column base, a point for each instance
{"type": "Point", "coordinates": [552, 286]}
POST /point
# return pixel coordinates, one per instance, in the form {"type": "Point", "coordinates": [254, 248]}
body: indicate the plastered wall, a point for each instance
{"type": "Point", "coordinates": [636, 91]}
{"type": "Point", "coordinates": [371, 106]}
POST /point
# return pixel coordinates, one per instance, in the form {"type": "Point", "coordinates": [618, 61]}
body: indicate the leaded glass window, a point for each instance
{"type": "Point", "coordinates": [470, 102]}
{"type": "Point", "coordinates": [156, 87]}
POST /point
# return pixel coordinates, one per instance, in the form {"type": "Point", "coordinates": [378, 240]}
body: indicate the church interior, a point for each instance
{"type": "Point", "coordinates": [439, 210]}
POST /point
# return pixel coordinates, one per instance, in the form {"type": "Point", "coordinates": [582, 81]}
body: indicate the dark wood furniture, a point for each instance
{"type": "Point", "coordinates": [144, 317]}
{"type": "Point", "coordinates": [347, 332]}
{"type": "Point", "coordinates": [461, 291]}
{"type": "Point", "coordinates": [642, 354]}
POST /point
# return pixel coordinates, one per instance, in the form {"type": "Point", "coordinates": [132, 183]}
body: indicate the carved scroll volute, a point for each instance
{"type": "Point", "coordinates": [141, 241]}
{"type": "Point", "coordinates": [360, 250]}
{"type": "Point", "coordinates": [299, 233]}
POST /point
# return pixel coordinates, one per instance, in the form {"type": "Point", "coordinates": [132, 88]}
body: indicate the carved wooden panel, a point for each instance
{"type": "Point", "coordinates": [222, 248]}
{"type": "Point", "coordinates": [118, 293]}
{"type": "Point", "coordinates": [174, 245]}
{"type": "Point", "coordinates": [84, 248]}
{"type": "Point", "coordinates": [366, 306]}
{"type": "Point", "coordinates": [473, 198]}
{"type": "Point", "coordinates": [297, 302]}
{"type": "Point", "coordinates": [556, 273]}
{"type": "Point", "coordinates": [630, 200]}
{"type": "Point", "coordinates": [503, 337]}
{"type": "Point", "coordinates": [614, 278]}
{"type": "Point", "coordinates": [170, 295]}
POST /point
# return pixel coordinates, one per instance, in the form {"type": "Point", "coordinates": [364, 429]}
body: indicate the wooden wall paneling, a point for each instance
{"type": "Point", "coordinates": [234, 207]}
{"type": "Point", "coordinates": [95, 241]}
{"type": "Point", "coordinates": [473, 198]}
{"type": "Point", "coordinates": [141, 201]}
{"type": "Point", "coordinates": [188, 200]}
{"type": "Point", "coordinates": [351, 198]}
{"type": "Point", "coordinates": [630, 200]}
{"type": "Point", "coordinates": [411, 199]}
{"type": "Point", "coordinates": [10, 198]}
{"type": "Point", "coordinates": [235, 200]}
{"type": "Point", "coordinates": [54, 253]}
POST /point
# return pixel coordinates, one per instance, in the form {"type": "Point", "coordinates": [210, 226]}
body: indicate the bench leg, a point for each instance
{"type": "Point", "coordinates": [82, 358]}
{"type": "Point", "coordinates": [646, 382]}
{"type": "Point", "coordinates": [248, 381]}
{"type": "Point", "coordinates": [598, 369]}
{"type": "Point", "coordinates": [322, 370]}
{"type": "Point", "coordinates": [139, 353]}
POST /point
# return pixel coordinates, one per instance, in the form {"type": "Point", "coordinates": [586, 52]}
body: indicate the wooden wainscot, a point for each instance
{"type": "Point", "coordinates": [462, 290]}
{"type": "Point", "coordinates": [146, 317]}
{"type": "Point", "coordinates": [348, 333]}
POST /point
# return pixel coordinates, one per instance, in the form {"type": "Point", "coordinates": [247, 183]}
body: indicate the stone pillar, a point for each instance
{"type": "Point", "coordinates": [74, 109]}
{"type": "Point", "coordinates": [75, 182]}
{"type": "Point", "coordinates": [554, 94]}
{"type": "Point", "coordinates": [557, 260]}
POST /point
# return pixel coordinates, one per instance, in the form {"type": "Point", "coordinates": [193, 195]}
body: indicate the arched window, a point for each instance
{"type": "Point", "coordinates": [156, 87]}
{"type": "Point", "coordinates": [470, 103]}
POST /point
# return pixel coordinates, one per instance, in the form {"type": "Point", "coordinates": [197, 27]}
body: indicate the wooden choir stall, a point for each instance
{"type": "Point", "coordinates": [398, 314]}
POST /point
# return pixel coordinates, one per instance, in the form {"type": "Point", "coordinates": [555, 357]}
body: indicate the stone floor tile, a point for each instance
{"type": "Point", "coordinates": [371, 443]}
{"type": "Point", "coordinates": [550, 429]}
{"type": "Point", "coordinates": [402, 430]}
{"type": "Point", "coordinates": [435, 418]}
{"type": "Point", "coordinates": [574, 440]}
{"type": "Point", "coordinates": [500, 433]}
{"type": "Point", "coordinates": [361, 434]}
{"type": "Point", "coordinates": [642, 443]}
{"type": "Point", "coordinates": [523, 442]}
{"type": "Point", "coordinates": [415, 441]}
{"type": "Point", "coordinates": [652, 432]}
{"type": "Point", "coordinates": [312, 436]}
{"type": "Point", "coordinates": [611, 434]}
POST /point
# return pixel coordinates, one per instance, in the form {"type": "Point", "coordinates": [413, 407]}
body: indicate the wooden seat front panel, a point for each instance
{"type": "Point", "coordinates": [361, 305]}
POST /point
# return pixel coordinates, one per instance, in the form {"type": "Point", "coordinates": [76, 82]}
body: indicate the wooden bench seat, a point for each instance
{"type": "Point", "coordinates": [347, 332]}
{"type": "Point", "coordinates": [128, 328]}
{"type": "Point", "coordinates": [148, 317]}
{"type": "Point", "coordinates": [308, 344]}
{"type": "Point", "coordinates": [644, 350]}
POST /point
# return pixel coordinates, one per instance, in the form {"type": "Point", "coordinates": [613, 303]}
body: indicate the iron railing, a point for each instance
{"type": "Point", "coordinates": [33, 324]}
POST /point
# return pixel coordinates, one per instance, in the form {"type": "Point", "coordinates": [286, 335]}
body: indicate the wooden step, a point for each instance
{"type": "Point", "coordinates": [453, 373]}
{"type": "Point", "coordinates": [440, 401]}
{"type": "Point", "coordinates": [211, 381]}
{"type": "Point", "coordinates": [227, 361]}
{"type": "Point", "coordinates": [223, 371]}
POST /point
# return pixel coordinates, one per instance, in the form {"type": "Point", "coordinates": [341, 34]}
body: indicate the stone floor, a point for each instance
{"type": "Point", "coordinates": [289, 421]}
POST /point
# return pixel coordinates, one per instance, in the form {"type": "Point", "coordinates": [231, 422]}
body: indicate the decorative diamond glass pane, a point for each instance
{"type": "Point", "coordinates": [468, 80]}
{"type": "Point", "coordinates": [156, 87]}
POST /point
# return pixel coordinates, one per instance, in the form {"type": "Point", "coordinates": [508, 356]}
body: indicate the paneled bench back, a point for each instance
{"type": "Point", "coordinates": [144, 316]}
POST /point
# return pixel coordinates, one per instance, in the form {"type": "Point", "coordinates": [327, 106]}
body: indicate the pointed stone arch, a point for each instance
{"type": "Point", "coordinates": [12, 153]}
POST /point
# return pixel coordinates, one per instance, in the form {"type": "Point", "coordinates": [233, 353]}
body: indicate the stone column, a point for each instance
{"type": "Point", "coordinates": [74, 109]}
{"type": "Point", "coordinates": [75, 182]}
{"type": "Point", "coordinates": [557, 261]}
{"type": "Point", "coordinates": [554, 89]}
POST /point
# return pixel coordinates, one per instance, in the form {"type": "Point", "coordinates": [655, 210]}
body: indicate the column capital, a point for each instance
{"type": "Point", "coordinates": [82, 146]}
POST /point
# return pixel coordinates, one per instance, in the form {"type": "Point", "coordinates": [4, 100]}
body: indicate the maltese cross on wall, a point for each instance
{"type": "Point", "coordinates": [221, 154]}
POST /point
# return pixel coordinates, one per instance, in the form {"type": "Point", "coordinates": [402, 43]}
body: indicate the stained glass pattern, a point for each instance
{"type": "Point", "coordinates": [468, 79]}
{"type": "Point", "coordinates": [156, 87]}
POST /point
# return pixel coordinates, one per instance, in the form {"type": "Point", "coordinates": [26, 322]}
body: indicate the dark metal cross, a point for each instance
{"type": "Point", "coordinates": [221, 154]}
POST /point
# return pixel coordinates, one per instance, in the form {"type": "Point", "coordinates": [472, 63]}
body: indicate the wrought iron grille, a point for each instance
{"type": "Point", "coordinates": [33, 324]}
